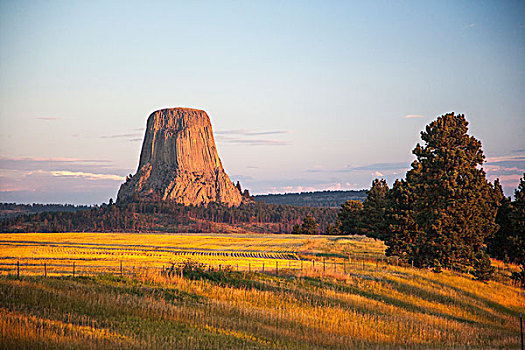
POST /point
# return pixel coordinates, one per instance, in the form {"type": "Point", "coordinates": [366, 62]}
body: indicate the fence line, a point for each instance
{"type": "Point", "coordinates": [322, 266]}
{"type": "Point", "coordinates": [45, 267]}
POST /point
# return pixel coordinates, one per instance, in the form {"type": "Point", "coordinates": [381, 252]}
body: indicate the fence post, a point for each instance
{"type": "Point", "coordinates": [313, 264]}
{"type": "Point", "coordinates": [18, 269]}
{"type": "Point", "coordinates": [237, 267]}
{"type": "Point", "coordinates": [249, 267]}
{"type": "Point", "coordinates": [263, 268]}
{"type": "Point", "coordinates": [73, 270]}
{"type": "Point", "coordinates": [324, 264]}
{"type": "Point", "coordinates": [45, 270]}
{"type": "Point", "coordinates": [120, 268]}
{"type": "Point", "coordinates": [277, 268]}
{"type": "Point", "coordinates": [301, 267]}
{"type": "Point", "coordinates": [521, 330]}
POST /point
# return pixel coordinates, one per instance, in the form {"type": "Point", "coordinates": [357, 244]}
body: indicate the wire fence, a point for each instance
{"type": "Point", "coordinates": [359, 266]}
{"type": "Point", "coordinates": [48, 267]}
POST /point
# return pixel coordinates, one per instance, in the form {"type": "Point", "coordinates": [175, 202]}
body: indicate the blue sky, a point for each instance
{"type": "Point", "coordinates": [302, 95]}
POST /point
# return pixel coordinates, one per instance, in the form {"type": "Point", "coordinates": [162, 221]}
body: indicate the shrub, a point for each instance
{"type": "Point", "coordinates": [483, 269]}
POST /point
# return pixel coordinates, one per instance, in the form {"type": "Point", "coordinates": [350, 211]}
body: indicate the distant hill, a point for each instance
{"type": "Point", "coordinates": [8, 210]}
{"type": "Point", "coordinates": [330, 199]}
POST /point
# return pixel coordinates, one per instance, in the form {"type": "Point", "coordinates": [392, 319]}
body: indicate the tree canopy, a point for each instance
{"type": "Point", "coordinates": [445, 208]}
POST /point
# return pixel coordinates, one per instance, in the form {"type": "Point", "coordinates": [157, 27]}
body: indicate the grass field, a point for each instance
{"type": "Point", "coordinates": [361, 302]}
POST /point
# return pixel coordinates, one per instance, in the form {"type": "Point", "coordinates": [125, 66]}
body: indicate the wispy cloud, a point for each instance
{"type": "Point", "coordinates": [244, 132]}
{"type": "Point", "coordinates": [89, 176]}
{"type": "Point", "coordinates": [252, 142]}
{"type": "Point", "coordinates": [470, 25]}
{"type": "Point", "coordinates": [48, 163]}
{"type": "Point", "coordinates": [48, 118]}
{"type": "Point", "coordinates": [412, 116]}
{"type": "Point", "coordinates": [133, 136]}
{"type": "Point", "coordinates": [514, 161]}
{"type": "Point", "coordinates": [20, 169]}
{"type": "Point", "coordinates": [377, 167]}
{"type": "Point", "coordinates": [58, 180]}
{"type": "Point", "coordinates": [251, 138]}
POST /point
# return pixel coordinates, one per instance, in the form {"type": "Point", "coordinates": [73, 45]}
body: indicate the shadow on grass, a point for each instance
{"type": "Point", "coordinates": [382, 298]}
{"type": "Point", "coordinates": [462, 292]}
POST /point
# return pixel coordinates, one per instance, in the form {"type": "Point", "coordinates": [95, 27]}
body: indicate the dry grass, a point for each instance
{"type": "Point", "coordinates": [98, 252]}
{"type": "Point", "coordinates": [372, 305]}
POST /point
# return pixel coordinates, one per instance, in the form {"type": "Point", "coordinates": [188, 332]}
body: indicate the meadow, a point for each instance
{"type": "Point", "coordinates": [327, 293]}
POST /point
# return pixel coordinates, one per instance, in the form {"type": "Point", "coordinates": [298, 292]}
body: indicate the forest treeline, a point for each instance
{"type": "Point", "coordinates": [332, 199]}
{"type": "Point", "coordinates": [14, 209]}
{"type": "Point", "coordinates": [162, 216]}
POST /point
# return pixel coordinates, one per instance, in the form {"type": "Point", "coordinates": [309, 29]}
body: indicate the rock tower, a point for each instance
{"type": "Point", "coordinates": [179, 162]}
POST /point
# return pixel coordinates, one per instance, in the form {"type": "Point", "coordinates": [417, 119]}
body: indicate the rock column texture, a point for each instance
{"type": "Point", "coordinates": [179, 162]}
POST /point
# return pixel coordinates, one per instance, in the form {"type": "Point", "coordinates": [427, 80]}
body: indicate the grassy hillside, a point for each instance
{"type": "Point", "coordinates": [373, 304]}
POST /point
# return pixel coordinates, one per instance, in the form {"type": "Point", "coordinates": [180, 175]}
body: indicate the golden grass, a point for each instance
{"type": "Point", "coordinates": [372, 305]}
{"type": "Point", "coordinates": [99, 252]}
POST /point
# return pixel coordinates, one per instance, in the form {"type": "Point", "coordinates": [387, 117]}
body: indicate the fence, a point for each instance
{"type": "Point", "coordinates": [48, 267]}
{"type": "Point", "coordinates": [354, 266]}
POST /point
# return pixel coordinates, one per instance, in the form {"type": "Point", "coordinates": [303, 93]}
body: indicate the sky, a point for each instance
{"type": "Point", "coordinates": [302, 95]}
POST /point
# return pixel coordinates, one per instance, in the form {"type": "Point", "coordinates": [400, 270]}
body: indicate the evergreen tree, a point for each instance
{"type": "Point", "coordinates": [332, 229]}
{"type": "Point", "coordinates": [296, 229]}
{"type": "Point", "coordinates": [400, 218]}
{"type": "Point", "coordinates": [499, 245]}
{"type": "Point", "coordinates": [309, 225]}
{"type": "Point", "coordinates": [374, 209]}
{"type": "Point", "coordinates": [447, 207]}
{"type": "Point", "coordinates": [483, 269]}
{"type": "Point", "coordinates": [517, 218]}
{"type": "Point", "coordinates": [348, 218]}
{"type": "Point", "coordinates": [519, 277]}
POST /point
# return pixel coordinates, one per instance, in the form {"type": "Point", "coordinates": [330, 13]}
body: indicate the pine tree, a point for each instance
{"type": "Point", "coordinates": [309, 225]}
{"type": "Point", "coordinates": [348, 218]}
{"type": "Point", "coordinates": [483, 270]}
{"type": "Point", "coordinates": [447, 207]}
{"type": "Point", "coordinates": [296, 229]}
{"type": "Point", "coordinates": [499, 245]}
{"type": "Point", "coordinates": [332, 229]}
{"type": "Point", "coordinates": [400, 218]}
{"type": "Point", "coordinates": [518, 224]}
{"type": "Point", "coordinates": [374, 208]}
